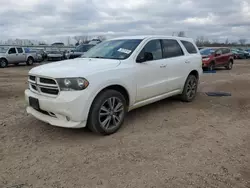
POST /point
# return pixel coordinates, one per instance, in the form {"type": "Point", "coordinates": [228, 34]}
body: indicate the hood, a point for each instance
{"type": "Point", "coordinates": [206, 56]}
{"type": "Point", "coordinates": [78, 67]}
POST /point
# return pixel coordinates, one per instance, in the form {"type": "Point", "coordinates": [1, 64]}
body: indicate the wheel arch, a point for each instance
{"type": "Point", "coordinates": [195, 73]}
{"type": "Point", "coordinates": [4, 59]}
{"type": "Point", "coordinates": [116, 87]}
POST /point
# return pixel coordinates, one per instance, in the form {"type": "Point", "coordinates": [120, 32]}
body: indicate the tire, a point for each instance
{"type": "Point", "coordinates": [3, 63]}
{"type": "Point", "coordinates": [190, 89]}
{"type": "Point", "coordinates": [30, 61]}
{"type": "Point", "coordinates": [211, 66]}
{"type": "Point", "coordinates": [104, 124]}
{"type": "Point", "coordinates": [229, 65]}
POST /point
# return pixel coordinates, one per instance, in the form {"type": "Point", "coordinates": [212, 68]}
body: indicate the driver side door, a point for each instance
{"type": "Point", "coordinates": [12, 55]}
{"type": "Point", "coordinates": [151, 76]}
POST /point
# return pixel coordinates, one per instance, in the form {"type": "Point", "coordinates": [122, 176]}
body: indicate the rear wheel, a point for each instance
{"type": "Point", "coordinates": [30, 61]}
{"type": "Point", "coordinates": [107, 112]}
{"type": "Point", "coordinates": [190, 89]}
{"type": "Point", "coordinates": [229, 65]}
{"type": "Point", "coordinates": [3, 63]}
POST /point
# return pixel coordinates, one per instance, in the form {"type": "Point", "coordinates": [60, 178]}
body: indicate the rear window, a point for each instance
{"type": "Point", "coordinates": [171, 48]}
{"type": "Point", "coordinates": [189, 47]}
{"type": "Point", "coordinates": [225, 51]}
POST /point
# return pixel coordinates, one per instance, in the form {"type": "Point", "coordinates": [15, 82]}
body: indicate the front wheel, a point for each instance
{"type": "Point", "coordinates": [107, 112]}
{"type": "Point", "coordinates": [190, 89]}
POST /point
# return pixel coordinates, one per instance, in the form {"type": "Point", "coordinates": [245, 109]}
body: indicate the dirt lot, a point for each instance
{"type": "Point", "coordinates": [167, 144]}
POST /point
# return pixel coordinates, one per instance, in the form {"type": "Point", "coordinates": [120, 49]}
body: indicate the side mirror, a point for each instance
{"type": "Point", "coordinates": [146, 57]}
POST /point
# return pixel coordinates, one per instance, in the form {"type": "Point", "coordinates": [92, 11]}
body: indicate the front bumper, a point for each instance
{"type": "Point", "coordinates": [68, 109]}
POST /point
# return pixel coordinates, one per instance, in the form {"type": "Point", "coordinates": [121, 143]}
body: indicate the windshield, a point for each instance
{"type": "Point", "coordinates": [3, 50]}
{"type": "Point", "coordinates": [113, 49]}
{"type": "Point", "coordinates": [83, 48]}
{"type": "Point", "coordinates": [207, 51]}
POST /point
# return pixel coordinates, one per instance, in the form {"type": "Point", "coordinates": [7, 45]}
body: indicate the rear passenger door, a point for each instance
{"type": "Point", "coordinates": [219, 58]}
{"type": "Point", "coordinates": [21, 55]}
{"type": "Point", "coordinates": [176, 64]}
{"type": "Point", "coordinates": [226, 55]}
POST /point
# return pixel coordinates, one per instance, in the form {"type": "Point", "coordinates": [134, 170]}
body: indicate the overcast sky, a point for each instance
{"type": "Point", "coordinates": [51, 20]}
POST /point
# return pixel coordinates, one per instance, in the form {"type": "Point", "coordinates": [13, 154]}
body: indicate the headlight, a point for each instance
{"type": "Point", "coordinates": [72, 84]}
{"type": "Point", "coordinates": [206, 59]}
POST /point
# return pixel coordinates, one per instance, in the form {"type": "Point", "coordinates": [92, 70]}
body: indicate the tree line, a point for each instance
{"type": "Point", "coordinates": [204, 41]}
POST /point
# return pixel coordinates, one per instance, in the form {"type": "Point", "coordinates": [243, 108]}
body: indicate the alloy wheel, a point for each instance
{"type": "Point", "coordinates": [3, 63]}
{"type": "Point", "coordinates": [111, 113]}
{"type": "Point", "coordinates": [191, 88]}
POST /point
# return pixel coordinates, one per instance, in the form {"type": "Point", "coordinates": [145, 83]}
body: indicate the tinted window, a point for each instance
{"type": "Point", "coordinates": [189, 46]}
{"type": "Point", "coordinates": [12, 50]}
{"type": "Point", "coordinates": [225, 50]}
{"type": "Point", "coordinates": [20, 50]}
{"type": "Point", "coordinates": [171, 48]}
{"type": "Point", "coordinates": [153, 47]}
{"type": "Point", "coordinates": [219, 51]}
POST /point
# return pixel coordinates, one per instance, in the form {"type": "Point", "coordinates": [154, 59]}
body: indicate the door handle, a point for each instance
{"type": "Point", "coordinates": [187, 61]}
{"type": "Point", "coordinates": [163, 66]}
{"type": "Point", "coordinates": [16, 54]}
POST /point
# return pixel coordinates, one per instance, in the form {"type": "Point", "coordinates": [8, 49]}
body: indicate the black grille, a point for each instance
{"type": "Point", "coordinates": [49, 91]}
{"type": "Point", "coordinates": [33, 78]}
{"type": "Point", "coordinates": [34, 87]}
{"type": "Point", "coordinates": [47, 81]}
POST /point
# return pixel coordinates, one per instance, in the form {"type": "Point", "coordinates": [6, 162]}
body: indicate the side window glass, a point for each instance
{"type": "Point", "coordinates": [189, 47]}
{"type": "Point", "coordinates": [12, 51]}
{"type": "Point", "coordinates": [19, 50]}
{"type": "Point", "coordinates": [153, 47]}
{"type": "Point", "coordinates": [171, 48]}
{"type": "Point", "coordinates": [218, 51]}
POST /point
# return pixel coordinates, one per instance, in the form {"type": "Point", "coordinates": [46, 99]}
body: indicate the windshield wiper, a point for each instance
{"type": "Point", "coordinates": [97, 57]}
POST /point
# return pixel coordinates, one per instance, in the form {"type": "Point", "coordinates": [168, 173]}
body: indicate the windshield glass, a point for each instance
{"type": "Point", "coordinates": [83, 48]}
{"type": "Point", "coordinates": [207, 51]}
{"type": "Point", "coordinates": [113, 49]}
{"type": "Point", "coordinates": [3, 49]}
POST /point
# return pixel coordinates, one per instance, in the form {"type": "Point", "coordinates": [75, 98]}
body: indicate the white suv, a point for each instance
{"type": "Point", "coordinates": [114, 77]}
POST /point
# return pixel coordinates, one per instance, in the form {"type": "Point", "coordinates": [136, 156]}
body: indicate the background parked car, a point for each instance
{"type": "Point", "coordinates": [243, 54]}
{"type": "Point", "coordinates": [237, 54]}
{"type": "Point", "coordinates": [79, 50]}
{"type": "Point", "coordinates": [41, 52]}
{"type": "Point", "coordinates": [217, 57]}
{"type": "Point", "coordinates": [37, 56]}
{"type": "Point", "coordinates": [54, 55]}
{"type": "Point", "coordinates": [15, 55]}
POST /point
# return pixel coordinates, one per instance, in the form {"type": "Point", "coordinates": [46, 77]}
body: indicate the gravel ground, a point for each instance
{"type": "Point", "coordinates": [205, 143]}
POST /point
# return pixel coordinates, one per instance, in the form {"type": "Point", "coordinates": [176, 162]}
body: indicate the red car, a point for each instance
{"type": "Point", "coordinates": [217, 57]}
